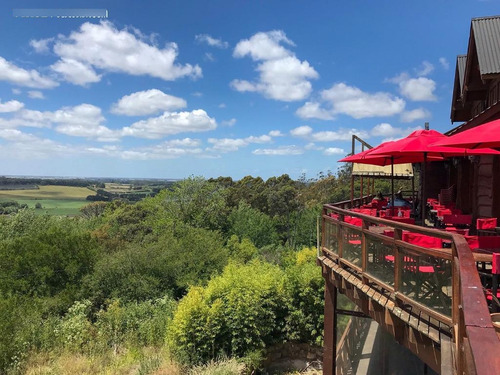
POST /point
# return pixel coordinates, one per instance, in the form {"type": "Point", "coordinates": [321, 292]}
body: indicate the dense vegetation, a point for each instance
{"type": "Point", "coordinates": [207, 269]}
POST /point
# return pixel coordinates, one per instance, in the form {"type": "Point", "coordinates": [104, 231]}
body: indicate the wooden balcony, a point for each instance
{"type": "Point", "coordinates": [429, 298]}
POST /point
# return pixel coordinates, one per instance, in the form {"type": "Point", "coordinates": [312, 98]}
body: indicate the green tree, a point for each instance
{"type": "Point", "coordinates": [248, 222]}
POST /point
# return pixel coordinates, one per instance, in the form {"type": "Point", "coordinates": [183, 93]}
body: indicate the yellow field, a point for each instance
{"type": "Point", "coordinates": [48, 192]}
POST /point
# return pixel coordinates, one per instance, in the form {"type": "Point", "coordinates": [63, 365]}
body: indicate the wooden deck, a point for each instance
{"type": "Point", "coordinates": [430, 299]}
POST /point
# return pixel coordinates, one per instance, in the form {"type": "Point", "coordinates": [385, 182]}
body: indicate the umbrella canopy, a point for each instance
{"type": "Point", "coordinates": [421, 144]}
{"type": "Point", "coordinates": [374, 157]}
{"type": "Point", "coordinates": [486, 135]}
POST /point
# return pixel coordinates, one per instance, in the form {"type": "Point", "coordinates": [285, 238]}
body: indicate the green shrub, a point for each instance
{"type": "Point", "coordinates": [240, 311]}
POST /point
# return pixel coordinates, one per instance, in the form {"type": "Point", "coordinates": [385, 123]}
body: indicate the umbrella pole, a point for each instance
{"type": "Point", "coordinates": [413, 194]}
{"type": "Point", "coordinates": [423, 203]}
{"type": "Point", "coordinates": [392, 185]}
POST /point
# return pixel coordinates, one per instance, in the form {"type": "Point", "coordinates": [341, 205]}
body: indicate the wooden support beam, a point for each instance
{"type": "Point", "coordinates": [330, 329]}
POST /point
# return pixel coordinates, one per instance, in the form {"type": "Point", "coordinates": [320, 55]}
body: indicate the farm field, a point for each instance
{"type": "Point", "coordinates": [55, 200]}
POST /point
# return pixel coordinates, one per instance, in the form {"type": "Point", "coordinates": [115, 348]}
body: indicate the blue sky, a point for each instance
{"type": "Point", "coordinates": [168, 89]}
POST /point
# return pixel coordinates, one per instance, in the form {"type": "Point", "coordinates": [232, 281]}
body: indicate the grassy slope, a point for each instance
{"type": "Point", "coordinates": [55, 200]}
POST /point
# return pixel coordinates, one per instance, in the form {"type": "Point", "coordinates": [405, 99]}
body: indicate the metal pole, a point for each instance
{"type": "Point", "coordinates": [392, 186]}
{"type": "Point", "coordinates": [424, 199]}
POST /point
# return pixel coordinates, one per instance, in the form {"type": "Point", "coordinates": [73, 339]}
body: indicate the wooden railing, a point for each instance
{"type": "Point", "coordinates": [442, 283]}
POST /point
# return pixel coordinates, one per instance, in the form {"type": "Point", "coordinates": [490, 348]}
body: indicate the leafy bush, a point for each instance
{"type": "Point", "coordinates": [134, 324]}
{"type": "Point", "coordinates": [305, 286]}
{"type": "Point", "coordinates": [240, 311]}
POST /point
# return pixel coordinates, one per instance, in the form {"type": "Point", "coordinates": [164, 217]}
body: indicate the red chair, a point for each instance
{"type": "Point", "coordinates": [489, 244]}
{"type": "Point", "coordinates": [473, 242]}
{"type": "Point", "coordinates": [486, 223]}
{"type": "Point", "coordinates": [422, 240]}
{"type": "Point", "coordinates": [453, 222]}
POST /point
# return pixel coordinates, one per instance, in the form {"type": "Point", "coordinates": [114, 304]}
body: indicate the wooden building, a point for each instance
{"type": "Point", "coordinates": [476, 100]}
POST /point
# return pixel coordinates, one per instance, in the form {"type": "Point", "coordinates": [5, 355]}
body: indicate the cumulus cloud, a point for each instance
{"type": "Point", "coordinates": [276, 133]}
{"type": "Point", "coordinates": [211, 41]}
{"type": "Point", "coordinates": [171, 123]}
{"type": "Point", "coordinates": [301, 131]}
{"type": "Point", "coordinates": [415, 89]}
{"type": "Point", "coordinates": [103, 46]}
{"type": "Point", "coordinates": [41, 45]}
{"type": "Point", "coordinates": [281, 75]}
{"type": "Point", "coordinates": [313, 110]}
{"type": "Point", "coordinates": [280, 151]}
{"type": "Point", "coordinates": [84, 120]}
{"type": "Point", "coordinates": [333, 151]}
{"type": "Point", "coordinates": [147, 103]}
{"type": "Point", "coordinates": [351, 101]}
{"type": "Point", "coordinates": [10, 106]}
{"type": "Point", "coordinates": [234, 144]}
{"type": "Point", "coordinates": [35, 94]}
{"type": "Point", "coordinates": [76, 72]}
{"type": "Point", "coordinates": [415, 114]}
{"type": "Point", "coordinates": [307, 132]}
{"type": "Point", "coordinates": [11, 73]}
{"type": "Point", "coordinates": [390, 132]}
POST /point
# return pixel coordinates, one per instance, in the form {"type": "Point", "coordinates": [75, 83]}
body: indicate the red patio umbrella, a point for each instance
{"type": "Point", "coordinates": [420, 143]}
{"type": "Point", "coordinates": [373, 157]}
{"type": "Point", "coordinates": [486, 135]}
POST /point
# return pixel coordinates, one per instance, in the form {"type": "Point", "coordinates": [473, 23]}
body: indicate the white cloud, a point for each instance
{"type": "Point", "coordinates": [280, 151]}
{"type": "Point", "coordinates": [307, 132]}
{"type": "Point", "coordinates": [418, 89]}
{"type": "Point", "coordinates": [76, 72]}
{"type": "Point", "coordinates": [384, 130]}
{"type": "Point", "coordinates": [444, 63]}
{"type": "Point", "coordinates": [22, 77]}
{"type": "Point", "coordinates": [341, 135]}
{"type": "Point", "coordinates": [230, 122]}
{"type": "Point", "coordinates": [84, 120]}
{"type": "Point", "coordinates": [147, 103]}
{"type": "Point", "coordinates": [165, 150]}
{"type": "Point", "coordinates": [222, 105]}
{"type": "Point", "coordinates": [425, 69]}
{"type": "Point", "coordinates": [211, 41]}
{"type": "Point", "coordinates": [14, 135]}
{"type": "Point", "coordinates": [313, 146]}
{"type": "Point", "coordinates": [281, 75]}
{"type": "Point", "coordinates": [415, 89]}
{"type": "Point", "coordinates": [10, 106]}
{"type": "Point", "coordinates": [334, 151]}
{"type": "Point", "coordinates": [301, 131]}
{"type": "Point", "coordinates": [171, 123]}
{"type": "Point", "coordinates": [35, 94]}
{"type": "Point", "coordinates": [390, 132]}
{"type": "Point", "coordinates": [41, 45]}
{"type": "Point", "coordinates": [16, 91]}
{"type": "Point", "coordinates": [351, 101]}
{"type": "Point", "coordinates": [276, 133]}
{"type": "Point", "coordinates": [234, 144]}
{"type": "Point", "coordinates": [358, 104]}
{"type": "Point", "coordinates": [415, 114]}
{"type": "Point", "coordinates": [197, 94]}
{"type": "Point", "coordinates": [313, 110]}
{"type": "Point", "coordinates": [105, 47]}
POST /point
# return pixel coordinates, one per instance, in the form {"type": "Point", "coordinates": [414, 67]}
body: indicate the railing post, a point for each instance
{"type": "Point", "coordinates": [398, 236]}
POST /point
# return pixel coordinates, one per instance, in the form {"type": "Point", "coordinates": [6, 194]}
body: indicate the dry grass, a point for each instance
{"type": "Point", "coordinates": [148, 361]}
{"type": "Point", "coordinates": [48, 192]}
